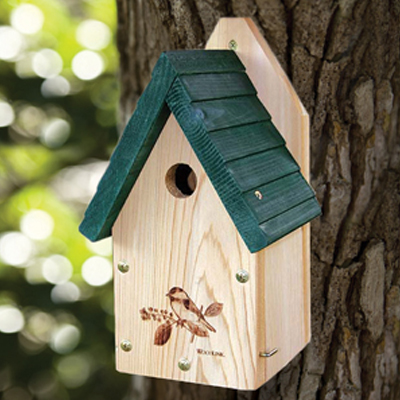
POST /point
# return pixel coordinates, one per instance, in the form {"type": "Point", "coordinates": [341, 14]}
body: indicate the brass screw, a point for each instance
{"type": "Point", "coordinates": [233, 45]}
{"type": "Point", "coordinates": [126, 345]}
{"type": "Point", "coordinates": [123, 266]}
{"type": "Point", "coordinates": [184, 364]}
{"type": "Point", "coordinates": [242, 276]}
{"type": "Point", "coordinates": [258, 194]}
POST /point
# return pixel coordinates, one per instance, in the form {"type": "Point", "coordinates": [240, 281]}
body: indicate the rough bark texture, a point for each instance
{"type": "Point", "coordinates": [343, 59]}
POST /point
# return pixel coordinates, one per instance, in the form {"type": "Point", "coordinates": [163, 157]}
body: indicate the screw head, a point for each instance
{"type": "Point", "coordinates": [123, 266]}
{"type": "Point", "coordinates": [184, 364]}
{"type": "Point", "coordinates": [126, 345]}
{"type": "Point", "coordinates": [242, 276]}
{"type": "Point", "coordinates": [233, 45]}
{"type": "Point", "coordinates": [258, 194]}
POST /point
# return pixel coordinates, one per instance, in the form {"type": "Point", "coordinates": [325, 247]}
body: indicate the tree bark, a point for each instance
{"type": "Point", "coordinates": [343, 59]}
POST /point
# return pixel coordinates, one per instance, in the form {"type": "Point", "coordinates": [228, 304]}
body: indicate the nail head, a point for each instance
{"type": "Point", "coordinates": [126, 345]}
{"type": "Point", "coordinates": [233, 45]}
{"type": "Point", "coordinates": [123, 267]}
{"type": "Point", "coordinates": [242, 276]}
{"type": "Point", "coordinates": [184, 364]}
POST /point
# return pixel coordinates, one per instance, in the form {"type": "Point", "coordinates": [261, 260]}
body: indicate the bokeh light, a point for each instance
{"type": "Point", "coordinates": [66, 292]}
{"type": "Point", "coordinates": [34, 273]}
{"type": "Point", "coordinates": [55, 132]}
{"type": "Point", "coordinates": [47, 63]}
{"type": "Point", "coordinates": [92, 34]}
{"type": "Point", "coordinates": [7, 115]}
{"type": "Point", "coordinates": [87, 65]}
{"type": "Point", "coordinates": [11, 319]}
{"type": "Point", "coordinates": [30, 120]}
{"type": "Point", "coordinates": [57, 269]}
{"type": "Point", "coordinates": [37, 224]}
{"type": "Point", "coordinates": [97, 271]}
{"type": "Point", "coordinates": [74, 370]}
{"type": "Point", "coordinates": [101, 247]}
{"type": "Point", "coordinates": [57, 86]}
{"type": "Point", "coordinates": [65, 338]}
{"type": "Point", "coordinates": [11, 43]}
{"type": "Point", "coordinates": [15, 248]}
{"type": "Point", "coordinates": [58, 127]}
{"type": "Point", "coordinates": [78, 183]}
{"type": "Point", "coordinates": [23, 66]}
{"type": "Point", "coordinates": [40, 325]}
{"type": "Point", "coordinates": [27, 19]}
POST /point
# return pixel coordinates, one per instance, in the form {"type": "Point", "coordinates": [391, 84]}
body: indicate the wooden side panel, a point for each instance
{"type": "Point", "coordinates": [190, 243]}
{"type": "Point", "coordinates": [285, 264]}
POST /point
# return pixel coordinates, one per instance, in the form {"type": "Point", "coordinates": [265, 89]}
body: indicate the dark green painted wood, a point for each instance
{"type": "Point", "coordinates": [292, 219]}
{"type": "Point", "coordinates": [130, 154]}
{"type": "Point", "coordinates": [217, 86]}
{"type": "Point", "coordinates": [256, 170]}
{"type": "Point", "coordinates": [279, 196]}
{"type": "Point", "coordinates": [233, 138]}
{"type": "Point", "coordinates": [242, 141]}
{"type": "Point", "coordinates": [214, 165]}
{"type": "Point", "coordinates": [230, 112]}
{"type": "Point", "coordinates": [203, 61]}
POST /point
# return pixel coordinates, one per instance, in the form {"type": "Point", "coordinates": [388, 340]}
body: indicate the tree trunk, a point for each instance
{"type": "Point", "coordinates": [343, 59]}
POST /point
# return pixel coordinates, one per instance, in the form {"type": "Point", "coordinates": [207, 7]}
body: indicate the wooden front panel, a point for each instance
{"type": "Point", "coordinates": [189, 243]}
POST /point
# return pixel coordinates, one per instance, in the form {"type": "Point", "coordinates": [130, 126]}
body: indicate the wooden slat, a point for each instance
{"type": "Point", "coordinates": [202, 61]}
{"type": "Point", "coordinates": [279, 196]}
{"type": "Point", "coordinates": [244, 140]}
{"type": "Point", "coordinates": [257, 170]}
{"type": "Point", "coordinates": [217, 86]}
{"type": "Point", "coordinates": [235, 111]}
{"type": "Point", "coordinates": [287, 222]}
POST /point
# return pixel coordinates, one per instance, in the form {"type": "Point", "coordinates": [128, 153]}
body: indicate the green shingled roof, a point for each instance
{"type": "Point", "coordinates": [233, 136]}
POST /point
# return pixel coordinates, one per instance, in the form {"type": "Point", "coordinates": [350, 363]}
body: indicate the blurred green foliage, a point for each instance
{"type": "Point", "coordinates": [57, 126]}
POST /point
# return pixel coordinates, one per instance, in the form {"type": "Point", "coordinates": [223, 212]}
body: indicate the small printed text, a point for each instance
{"type": "Point", "coordinates": [210, 353]}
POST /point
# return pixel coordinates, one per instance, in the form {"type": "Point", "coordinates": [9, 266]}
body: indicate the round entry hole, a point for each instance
{"type": "Point", "coordinates": [181, 180]}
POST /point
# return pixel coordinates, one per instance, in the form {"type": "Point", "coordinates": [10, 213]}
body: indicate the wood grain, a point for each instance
{"type": "Point", "coordinates": [197, 62]}
{"type": "Point", "coordinates": [241, 141]}
{"type": "Point", "coordinates": [192, 243]}
{"type": "Point", "coordinates": [217, 86]}
{"type": "Point", "coordinates": [233, 111]}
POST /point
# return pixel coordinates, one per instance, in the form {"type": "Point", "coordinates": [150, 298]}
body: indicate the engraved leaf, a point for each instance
{"type": "Point", "coordinates": [197, 329]}
{"type": "Point", "coordinates": [213, 309]}
{"type": "Point", "coordinates": [162, 334]}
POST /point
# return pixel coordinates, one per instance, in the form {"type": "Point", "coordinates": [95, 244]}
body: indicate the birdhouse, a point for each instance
{"type": "Point", "coordinates": [206, 198]}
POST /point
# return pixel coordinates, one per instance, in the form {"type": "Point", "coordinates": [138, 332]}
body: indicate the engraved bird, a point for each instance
{"type": "Point", "coordinates": [187, 311]}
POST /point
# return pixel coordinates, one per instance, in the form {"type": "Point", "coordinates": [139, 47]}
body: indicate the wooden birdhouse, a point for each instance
{"type": "Point", "coordinates": [207, 202]}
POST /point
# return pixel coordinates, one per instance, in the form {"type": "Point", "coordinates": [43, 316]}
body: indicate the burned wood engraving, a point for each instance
{"type": "Point", "coordinates": [185, 314]}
